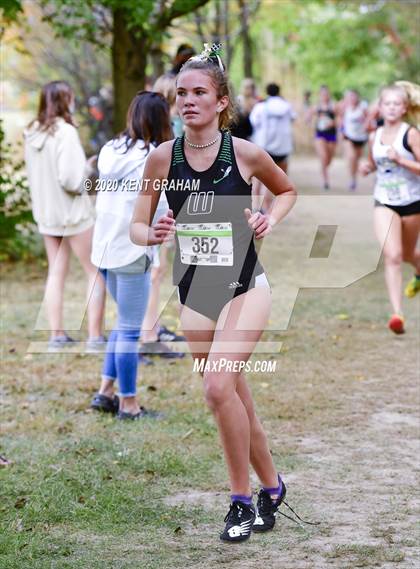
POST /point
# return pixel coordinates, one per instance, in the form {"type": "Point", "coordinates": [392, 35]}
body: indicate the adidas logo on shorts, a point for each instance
{"type": "Point", "coordinates": [235, 284]}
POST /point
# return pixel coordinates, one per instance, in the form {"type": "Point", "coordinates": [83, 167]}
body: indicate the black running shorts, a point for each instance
{"type": "Point", "coordinates": [402, 210]}
{"type": "Point", "coordinates": [209, 301]}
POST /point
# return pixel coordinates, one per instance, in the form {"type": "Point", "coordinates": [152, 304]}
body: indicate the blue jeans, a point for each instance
{"type": "Point", "coordinates": [131, 293]}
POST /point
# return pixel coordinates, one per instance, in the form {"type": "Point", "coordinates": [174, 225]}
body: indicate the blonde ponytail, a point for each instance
{"type": "Point", "coordinates": [413, 104]}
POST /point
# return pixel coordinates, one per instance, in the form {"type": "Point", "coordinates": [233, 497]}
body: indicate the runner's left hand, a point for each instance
{"type": "Point", "coordinates": [259, 223]}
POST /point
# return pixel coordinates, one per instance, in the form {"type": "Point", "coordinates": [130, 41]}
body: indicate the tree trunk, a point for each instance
{"type": "Point", "coordinates": [216, 35]}
{"type": "Point", "coordinates": [246, 39]}
{"type": "Point", "coordinates": [157, 61]}
{"type": "Point", "coordinates": [129, 58]}
{"type": "Point", "coordinates": [199, 26]}
{"type": "Point", "coordinates": [226, 32]}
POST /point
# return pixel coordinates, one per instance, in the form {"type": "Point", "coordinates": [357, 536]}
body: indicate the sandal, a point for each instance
{"type": "Point", "coordinates": [142, 414]}
{"type": "Point", "coordinates": [159, 349]}
{"type": "Point", "coordinates": [105, 404]}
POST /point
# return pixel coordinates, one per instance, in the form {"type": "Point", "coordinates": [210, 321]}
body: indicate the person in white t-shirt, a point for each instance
{"type": "Point", "coordinates": [125, 265]}
{"type": "Point", "coordinates": [271, 121]}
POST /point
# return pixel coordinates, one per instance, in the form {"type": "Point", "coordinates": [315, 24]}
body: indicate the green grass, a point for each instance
{"type": "Point", "coordinates": [365, 555]}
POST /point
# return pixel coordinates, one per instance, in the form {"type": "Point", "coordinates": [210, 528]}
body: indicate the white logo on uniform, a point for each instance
{"type": "Point", "coordinates": [200, 203]}
{"type": "Point", "coordinates": [225, 175]}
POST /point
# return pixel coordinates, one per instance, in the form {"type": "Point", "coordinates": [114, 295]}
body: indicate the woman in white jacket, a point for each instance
{"type": "Point", "coordinates": [56, 164]}
{"type": "Point", "coordinates": [124, 265]}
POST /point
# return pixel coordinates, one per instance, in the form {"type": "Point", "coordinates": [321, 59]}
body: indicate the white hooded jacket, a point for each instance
{"type": "Point", "coordinates": [55, 164]}
{"type": "Point", "coordinates": [120, 176]}
{"type": "Point", "coordinates": [272, 124]}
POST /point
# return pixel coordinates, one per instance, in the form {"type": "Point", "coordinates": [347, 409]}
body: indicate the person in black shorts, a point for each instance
{"type": "Point", "coordinates": [353, 116]}
{"type": "Point", "coordinates": [325, 131]}
{"type": "Point", "coordinates": [394, 153]}
{"type": "Point", "coordinates": [225, 297]}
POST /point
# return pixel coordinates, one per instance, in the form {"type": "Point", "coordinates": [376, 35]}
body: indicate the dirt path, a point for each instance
{"type": "Point", "coordinates": [305, 172]}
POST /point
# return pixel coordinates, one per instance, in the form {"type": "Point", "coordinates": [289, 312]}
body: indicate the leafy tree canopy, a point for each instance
{"type": "Point", "coordinates": [345, 44]}
{"type": "Point", "coordinates": [89, 20]}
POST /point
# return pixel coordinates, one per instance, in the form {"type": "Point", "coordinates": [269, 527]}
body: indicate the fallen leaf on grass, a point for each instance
{"type": "Point", "coordinates": [343, 316]}
{"type": "Point", "coordinates": [85, 451]}
{"type": "Point", "coordinates": [178, 530]}
{"type": "Point", "coordinates": [187, 434]}
{"type": "Point", "coordinates": [65, 428]}
{"type": "Point", "coordinates": [21, 502]}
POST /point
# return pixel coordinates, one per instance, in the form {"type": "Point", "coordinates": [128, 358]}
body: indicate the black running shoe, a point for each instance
{"type": "Point", "coordinates": [239, 520]}
{"type": "Point", "coordinates": [267, 509]}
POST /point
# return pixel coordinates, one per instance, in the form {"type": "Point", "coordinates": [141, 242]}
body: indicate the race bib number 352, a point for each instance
{"type": "Point", "coordinates": [205, 243]}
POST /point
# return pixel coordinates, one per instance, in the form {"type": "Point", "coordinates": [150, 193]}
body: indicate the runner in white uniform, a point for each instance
{"type": "Point", "coordinates": [354, 131]}
{"type": "Point", "coordinates": [395, 154]}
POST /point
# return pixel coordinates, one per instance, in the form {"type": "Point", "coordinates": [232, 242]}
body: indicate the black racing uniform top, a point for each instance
{"type": "Point", "coordinates": [209, 208]}
{"type": "Point", "coordinates": [324, 117]}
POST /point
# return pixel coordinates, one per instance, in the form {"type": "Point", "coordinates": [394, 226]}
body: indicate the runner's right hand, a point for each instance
{"type": "Point", "coordinates": [163, 230]}
{"type": "Point", "coordinates": [365, 168]}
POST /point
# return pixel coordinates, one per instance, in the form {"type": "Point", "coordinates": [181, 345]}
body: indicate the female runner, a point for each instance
{"type": "Point", "coordinates": [325, 131]}
{"type": "Point", "coordinates": [353, 116]}
{"type": "Point", "coordinates": [225, 297]}
{"type": "Point", "coordinates": [395, 154]}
